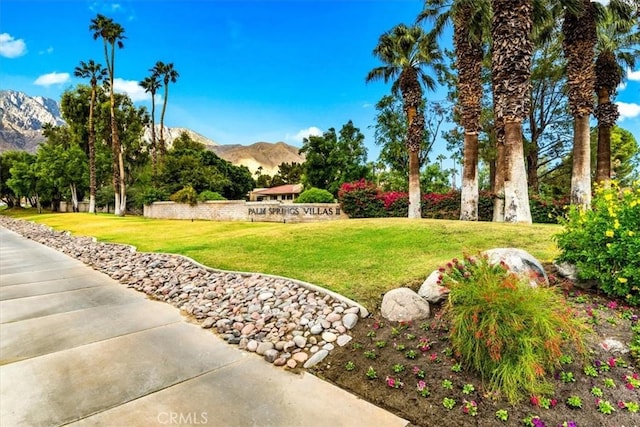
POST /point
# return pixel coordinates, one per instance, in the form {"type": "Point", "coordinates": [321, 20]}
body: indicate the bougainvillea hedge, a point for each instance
{"type": "Point", "coordinates": [363, 199]}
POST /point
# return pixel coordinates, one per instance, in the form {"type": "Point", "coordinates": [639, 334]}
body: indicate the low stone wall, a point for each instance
{"type": "Point", "coordinates": [239, 210]}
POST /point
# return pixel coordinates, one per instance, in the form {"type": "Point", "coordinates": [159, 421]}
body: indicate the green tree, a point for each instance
{"type": "Point", "coordinates": [112, 34]}
{"type": "Point", "coordinates": [351, 156]}
{"type": "Point", "coordinates": [548, 125]}
{"type": "Point", "coordinates": [62, 165]}
{"type": "Point", "coordinates": [391, 130]}
{"type": "Point", "coordinates": [405, 53]}
{"type": "Point", "coordinates": [167, 73]}
{"type": "Point", "coordinates": [290, 173]}
{"type": "Point", "coordinates": [188, 163]}
{"type": "Point", "coordinates": [8, 160]}
{"type": "Point", "coordinates": [318, 166]}
{"type": "Point", "coordinates": [332, 160]}
{"type": "Point", "coordinates": [22, 179]}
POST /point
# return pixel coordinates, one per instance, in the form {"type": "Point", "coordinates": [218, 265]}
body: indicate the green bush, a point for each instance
{"type": "Point", "coordinates": [186, 195]}
{"type": "Point", "coordinates": [150, 195]}
{"type": "Point", "coordinates": [210, 195]}
{"type": "Point", "coordinates": [544, 211]}
{"type": "Point", "coordinates": [634, 345]}
{"type": "Point", "coordinates": [604, 242]}
{"type": "Point", "coordinates": [510, 333]}
{"type": "Point", "coordinates": [315, 195]}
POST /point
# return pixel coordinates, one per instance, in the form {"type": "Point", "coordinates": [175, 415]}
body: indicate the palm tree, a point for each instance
{"type": "Point", "coordinates": [112, 34]}
{"type": "Point", "coordinates": [616, 49]}
{"type": "Point", "coordinates": [168, 74]}
{"type": "Point", "coordinates": [95, 73]}
{"type": "Point", "coordinates": [405, 51]}
{"type": "Point", "coordinates": [511, 68]}
{"type": "Point", "coordinates": [469, 18]}
{"type": "Point", "coordinates": [579, 29]}
{"type": "Point", "coordinates": [151, 84]}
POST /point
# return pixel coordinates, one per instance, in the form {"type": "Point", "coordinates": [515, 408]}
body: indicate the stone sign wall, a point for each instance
{"type": "Point", "coordinates": [238, 210]}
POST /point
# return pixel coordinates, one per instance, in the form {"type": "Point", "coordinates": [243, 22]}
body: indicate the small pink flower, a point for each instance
{"type": "Point", "coordinates": [534, 400]}
{"type": "Point", "coordinates": [621, 404]}
{"type": "Point", "coordinates": [629, 386]}
{"type": "Point", "coordinates": [554, 402]}
{"type": "Point", "coordinates": [415, 370]}
{"type": "Point", "coordinates": [612, 362]}
{"type": "Point", "coordinates": [612, 305]}
{"type": "Point", "coordinates": [391, 382]}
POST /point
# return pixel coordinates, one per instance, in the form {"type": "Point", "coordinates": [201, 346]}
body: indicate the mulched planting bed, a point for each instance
{"type": "Point", "coordinates": [409, 369]}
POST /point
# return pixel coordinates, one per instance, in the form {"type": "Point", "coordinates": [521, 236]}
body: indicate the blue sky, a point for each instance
{"type": "Point", "coordinates": [250, 70]}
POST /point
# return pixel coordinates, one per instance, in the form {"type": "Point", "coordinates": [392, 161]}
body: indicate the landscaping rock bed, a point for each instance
{"type": "Point", "coordinates": [287, 322]}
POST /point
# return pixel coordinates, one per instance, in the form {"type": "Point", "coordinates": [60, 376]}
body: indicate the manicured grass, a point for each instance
{"type": "Point", "coordinates": [360, 259]}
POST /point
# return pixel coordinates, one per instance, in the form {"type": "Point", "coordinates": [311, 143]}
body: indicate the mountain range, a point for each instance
{"type": "Point", "coordinates": [22, 118]}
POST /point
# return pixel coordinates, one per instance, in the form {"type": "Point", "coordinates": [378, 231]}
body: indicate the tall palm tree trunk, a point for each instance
{"type": "Point", "coordinates": [163, 145]}
{"type": "Point", "coordinates": [469, 55]}
{"type": "Point", "coordinates": [511, 63]}
{"type": "Point", "coordinates": [579, 42]}
{"type": "Point", "coordinates": [414, 136]}
{"type": "Point", "coordinates": [117, 146]}
{"type": "Point", "coordinates": [154, 145]}
{"type": "Point", "coordinates": [607, 113]}
{"type": "Point", "coordinates": [608, 77]}
{"type": "Point", "coordinates": [92, 153]}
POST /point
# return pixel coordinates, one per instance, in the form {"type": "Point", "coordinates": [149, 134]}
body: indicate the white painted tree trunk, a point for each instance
{"type": "Point", "coordinates": [581, 172]}
{"type": "Point", "coordinates": [415, 210]}
{"type": "Point", "coordinates": [469, 187]}
{"type": "Point", "coordinates": [516, 191]}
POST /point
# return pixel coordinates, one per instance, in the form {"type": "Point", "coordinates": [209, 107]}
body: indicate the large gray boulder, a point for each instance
{"type": "Point", "coordinates": [404, 305]}
{"type": "Point", "coordinates": [431, 290]}
{"type": "Point", "coordinates": [520, 262]}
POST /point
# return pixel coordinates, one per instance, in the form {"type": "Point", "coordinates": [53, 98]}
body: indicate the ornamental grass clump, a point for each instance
{"type": "Point", "coordinates": [513, 335]}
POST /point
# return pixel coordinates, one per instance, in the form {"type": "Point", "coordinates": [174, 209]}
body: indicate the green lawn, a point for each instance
{"type": "Point", "coordinates": [360, 259]}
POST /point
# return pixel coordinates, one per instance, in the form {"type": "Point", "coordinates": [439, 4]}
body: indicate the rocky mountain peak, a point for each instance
{"type": "Point", "coordinates": [23, 112]}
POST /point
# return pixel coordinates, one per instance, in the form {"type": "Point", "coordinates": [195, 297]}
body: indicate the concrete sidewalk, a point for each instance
{"type": "Point", "coordinates": [78, 348]}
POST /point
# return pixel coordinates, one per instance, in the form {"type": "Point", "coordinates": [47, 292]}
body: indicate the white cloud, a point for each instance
{"type": "Point", "coordinates": [305, 133]}
{"type": "Point", "coordinates": [10, 47]}
{"type": "Point", "coordinates": [52, 79]}
{"type": "Point", "coordinates": [633, 75]}
{"type": "Point", "coordinates": [47, 51]}
{"type": "Point", "coordinates": [628, 110]}
{"type": "Point", "coordinates": [132, 89]}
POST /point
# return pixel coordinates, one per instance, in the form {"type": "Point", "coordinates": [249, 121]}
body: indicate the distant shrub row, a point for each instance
{"type": "Point", "coordinates": [363, 199]}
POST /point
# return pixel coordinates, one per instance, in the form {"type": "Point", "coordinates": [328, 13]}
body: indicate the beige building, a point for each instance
{"type": "Point", "coordinates": [288, 192]}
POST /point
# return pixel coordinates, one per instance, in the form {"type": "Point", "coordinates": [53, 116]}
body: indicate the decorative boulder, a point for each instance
{"type": "Point", "coordinates": [520, 262]}
{"type": "Point", "coordinates": [431, 289]}
{"type": "Point", "coordinates": [570, 271]}
{"type": "Point", "coordinates": [404, 305]}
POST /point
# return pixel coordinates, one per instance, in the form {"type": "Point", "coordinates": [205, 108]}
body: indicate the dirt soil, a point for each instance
{"type": "Point", "coordinates": [347, 367]}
